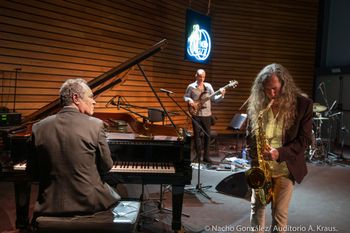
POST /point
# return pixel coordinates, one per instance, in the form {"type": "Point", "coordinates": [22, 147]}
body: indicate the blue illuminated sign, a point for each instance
{"type": "Point", "coordinates": [198, 41]}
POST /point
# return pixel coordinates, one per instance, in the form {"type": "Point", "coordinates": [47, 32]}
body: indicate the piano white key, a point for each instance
{"type": "Point", "coordinates": [127, 167]}
{"type": "Point", "coordinates": [20, 166]}
{"type": "Point", "coordinates": [143, 167]}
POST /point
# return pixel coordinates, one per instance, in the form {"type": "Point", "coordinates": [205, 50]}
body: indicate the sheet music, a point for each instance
{"type": "Point", "coordinates": [111, 136]}
{"type": "Point", "coordinates": [165, 138]}
{"type": "Point", "coordinates": [132, 136]}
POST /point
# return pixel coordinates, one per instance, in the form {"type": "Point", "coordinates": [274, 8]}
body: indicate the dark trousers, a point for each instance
{"type": "Point", "coordinates": [205, 123]}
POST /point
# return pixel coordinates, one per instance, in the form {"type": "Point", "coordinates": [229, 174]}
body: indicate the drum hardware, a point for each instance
{"type": "Point", "coordinates": [332, 157]}
{"type": "Point", "coordinates": [317, 153]}
{"type": "Point", "coordinates": [335, 114]}
{"type": "Point", "coordinates": [340, 129]}
{"type": "Point", "coordinates": [330, 117]}
{"type": "Point", "coordinates": [318, 107]}
{"type": "Point", "coordinates": [320, 148]}
{"type": "Point", "coordinates": [320, 118]}
{"type": "Point", "coordinates": [317, 149]}
{"type": "Point", "coordinates": [331, 108]}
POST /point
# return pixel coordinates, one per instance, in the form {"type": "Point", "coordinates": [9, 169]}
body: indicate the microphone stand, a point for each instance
{"type": "Point", "coordinates": [126, 106]}
{"type": "Point", "coordinates": [15, 91]}
{"type": "Point", "coordinates": [199, 188]}
{"type": "Point", "coordinates": [160, 102]}
{"type": "Point", "coordinates": [330, 127]}
{"type": "Point", "coordinates": [341, 128]}
{"type": "Point", "coordinates": [324, 95]}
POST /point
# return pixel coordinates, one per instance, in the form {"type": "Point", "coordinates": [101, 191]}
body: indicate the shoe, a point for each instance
{"type": "Point", "coordinates": [207, 160]}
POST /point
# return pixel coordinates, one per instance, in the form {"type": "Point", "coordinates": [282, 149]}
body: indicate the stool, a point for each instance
{"type": "Point", "coordinates": [122, 218]}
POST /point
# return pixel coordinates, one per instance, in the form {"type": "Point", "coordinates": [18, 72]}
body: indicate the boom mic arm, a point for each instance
{"type": "Point", "coordinates": [112, 101]}
{"type": "Point", "coordinates": [320, 85]}
{"type": "Point", "coordinates": [322, 88]}
{"type": "Point", "coordinates": [185, 112]}
{"type": "Point", "coordinates": [331, 108]}
{"type": "Point", "coordinates": [166, 91]}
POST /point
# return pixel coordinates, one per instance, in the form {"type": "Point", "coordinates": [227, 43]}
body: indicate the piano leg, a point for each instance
{"type": "Point", "coordinates": [177, 200]}
{"type": "Point", "coordinates": [22, 198]}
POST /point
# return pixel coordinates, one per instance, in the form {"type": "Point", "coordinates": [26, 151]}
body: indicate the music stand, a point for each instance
{"type": "Point", "coordinates": [236, 124]}
{"type": "Point", "coordinates": [155, 115]}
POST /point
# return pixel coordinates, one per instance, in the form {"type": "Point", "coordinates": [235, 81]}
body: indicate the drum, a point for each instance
{"type": "Point", "coordinates": [317, 149]}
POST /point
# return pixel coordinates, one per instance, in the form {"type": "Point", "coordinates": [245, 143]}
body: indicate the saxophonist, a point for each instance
{"type": "Point", "coordinates": [288, 127]}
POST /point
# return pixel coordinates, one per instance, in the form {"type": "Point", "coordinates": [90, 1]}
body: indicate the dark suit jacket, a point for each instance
{"type": "Point", "coordinates": [69, 151]}
{"type": "Point", "coordinates": [296, 140]}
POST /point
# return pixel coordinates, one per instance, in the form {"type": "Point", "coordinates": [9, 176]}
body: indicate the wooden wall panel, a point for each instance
{"type": "Point", "coordinates": [51, 41]}
{"type": "Point", "coordinates": [252, 34]}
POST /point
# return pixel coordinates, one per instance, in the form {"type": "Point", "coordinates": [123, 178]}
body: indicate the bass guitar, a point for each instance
{"type": "Point", "coordinates": [198, 104]}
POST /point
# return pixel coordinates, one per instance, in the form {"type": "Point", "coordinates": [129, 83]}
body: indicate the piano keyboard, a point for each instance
{"type": "Point", "coordinates": [132, 167]}
{"type": "Point", "coordinates": [143, 167]}
{"type": "Point", "coordinates": [20, 166]}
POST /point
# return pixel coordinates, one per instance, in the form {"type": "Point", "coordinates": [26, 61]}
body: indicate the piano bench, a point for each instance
{"type": "Point", "coordinates": [118, 219]}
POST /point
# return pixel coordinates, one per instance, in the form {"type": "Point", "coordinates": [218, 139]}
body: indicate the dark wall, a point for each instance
{"type": "Point", "coordinates": [333, 69]}
{"type": "Point", "coordinates": [338, 48]}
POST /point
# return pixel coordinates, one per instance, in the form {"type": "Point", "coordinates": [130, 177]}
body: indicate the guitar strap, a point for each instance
{"type": "Point", "coordinates": [203, 92]}
{"type": "Point", "coordinates": [205, 89]}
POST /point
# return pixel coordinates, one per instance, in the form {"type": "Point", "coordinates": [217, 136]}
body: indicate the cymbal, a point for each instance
{"type": "Point", "coordinates": [319, 108]}
{"type": "Point", "coordinates": [320, 118]}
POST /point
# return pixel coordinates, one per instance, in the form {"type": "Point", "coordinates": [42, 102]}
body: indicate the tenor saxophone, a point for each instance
{"type": "Point", "coordinates": [259, 176]}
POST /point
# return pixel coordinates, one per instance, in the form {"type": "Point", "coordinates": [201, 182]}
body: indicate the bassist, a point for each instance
{"type": "Point", "coordinates": [201, 111]}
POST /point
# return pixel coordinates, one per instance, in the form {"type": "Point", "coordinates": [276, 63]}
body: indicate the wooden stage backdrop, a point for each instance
{"type": "Point", "coordinates": [48, 41]}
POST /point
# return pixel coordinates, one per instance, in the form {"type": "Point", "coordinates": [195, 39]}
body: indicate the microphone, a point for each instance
{"type": "Point", "coordinates": [331, 108]}
{"type": "Point", "coordinates": [320, 85]}
{"type": "Point", "coordinates": [166, 91]}
{"type": "Point", "coordinates": [321, 89]}
{"type": "Point", "coordinates": [118, 104]}
{"type": "Point", "coordinates": [112, 102]}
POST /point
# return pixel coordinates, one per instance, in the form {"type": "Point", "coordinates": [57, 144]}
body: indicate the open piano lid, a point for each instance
{"type": "Point", "coordinates": [54, 106]}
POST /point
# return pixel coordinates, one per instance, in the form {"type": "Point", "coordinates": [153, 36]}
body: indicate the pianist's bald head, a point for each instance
{"type": "Point", "coordinates": [71, 87]}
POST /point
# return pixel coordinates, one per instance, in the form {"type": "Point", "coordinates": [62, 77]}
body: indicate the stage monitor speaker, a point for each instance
{"type": "Point", "coordinates": [234, 184]}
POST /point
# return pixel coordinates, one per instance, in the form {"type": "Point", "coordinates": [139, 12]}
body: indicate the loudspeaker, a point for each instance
{"type": "Point", "coordinates": [234, 184]}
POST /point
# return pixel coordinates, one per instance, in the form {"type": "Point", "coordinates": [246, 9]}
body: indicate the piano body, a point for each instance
{"type": "Point", "coordinates": [143, 153]}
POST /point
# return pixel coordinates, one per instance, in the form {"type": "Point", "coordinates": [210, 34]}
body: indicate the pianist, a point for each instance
{"type": "Point", "coordinates": [68, 155]}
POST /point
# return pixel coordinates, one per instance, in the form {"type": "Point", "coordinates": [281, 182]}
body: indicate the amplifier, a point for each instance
{"type": "Point", "coordinates": [10, 118]}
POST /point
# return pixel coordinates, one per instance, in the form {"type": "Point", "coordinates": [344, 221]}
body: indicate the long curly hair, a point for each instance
{"type": "Point", "coordinates": [287, 99]}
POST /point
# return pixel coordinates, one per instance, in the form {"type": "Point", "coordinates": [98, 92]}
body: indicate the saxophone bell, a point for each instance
{"type": "Point", "coordinates": [255, 178]}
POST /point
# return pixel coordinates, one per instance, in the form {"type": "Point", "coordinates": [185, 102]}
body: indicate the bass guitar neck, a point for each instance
{"type": "Point", "coordinates": [199, 104]}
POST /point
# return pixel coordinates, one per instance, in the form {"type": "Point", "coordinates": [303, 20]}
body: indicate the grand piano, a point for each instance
{"type": "Point", "coordinates": [143, 153]}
